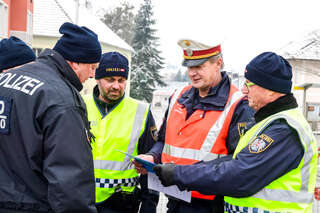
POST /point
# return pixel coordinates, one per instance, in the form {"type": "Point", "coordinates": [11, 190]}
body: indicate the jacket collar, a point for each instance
{"type": "Point", "coordinates": [281, 104]}
{"type": "Point", "coordinates": [62, 67]}
{"type": "Point", "coordinates": [103, 106]}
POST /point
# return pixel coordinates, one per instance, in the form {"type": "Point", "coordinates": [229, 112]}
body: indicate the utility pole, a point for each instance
{"type": "Point", "coordinates": [86, 3]}
{"type": "Point", "coordinates": [77, 11]}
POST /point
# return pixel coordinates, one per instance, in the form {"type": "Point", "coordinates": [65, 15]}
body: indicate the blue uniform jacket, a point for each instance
{"type": "Point", "coordinates": [146, 141]}
{"type": "Point", "coordinates": [249, 172]}
{"type": "Point", "coordinates": [46, 161]}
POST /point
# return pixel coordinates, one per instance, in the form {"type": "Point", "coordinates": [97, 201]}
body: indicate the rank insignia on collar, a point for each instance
{"type": "Point", "coordinates": [242, 127]}
{"type": "Point", "coordinates": [260, 143]}
{"type": "Point", "coordinates": [154, 133]}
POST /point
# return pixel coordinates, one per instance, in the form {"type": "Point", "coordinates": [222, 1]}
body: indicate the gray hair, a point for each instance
{"type": "Point", "coordinates": [214, 58]}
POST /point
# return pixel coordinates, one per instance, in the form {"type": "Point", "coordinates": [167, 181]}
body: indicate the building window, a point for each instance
{"type": "Point", "coordinates": [3, 20]}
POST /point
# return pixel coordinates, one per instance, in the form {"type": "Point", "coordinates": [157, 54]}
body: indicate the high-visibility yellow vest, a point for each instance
{"type": "Point", "coordinates": [292, 192]}
{"type": "Point", "coordinates": [120, 130]}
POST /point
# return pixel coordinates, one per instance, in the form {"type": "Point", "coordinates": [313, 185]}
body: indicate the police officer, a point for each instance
{"type": "Point", "coordinates": [203, 122]}
{"type": "Point", "coordinates": [45, 154]}
{"type": "Point", "coordinates": [13, 53]}
{"type": "Point", "coordinates": [274, 166]}
{"type": "Point", "coordinates": [119, 123]}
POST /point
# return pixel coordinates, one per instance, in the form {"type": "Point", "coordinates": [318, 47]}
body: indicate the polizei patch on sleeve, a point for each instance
{"type": "Point", "coordinates": [260, 143]}
{"type": "Point", "coordinates": [5, 109]}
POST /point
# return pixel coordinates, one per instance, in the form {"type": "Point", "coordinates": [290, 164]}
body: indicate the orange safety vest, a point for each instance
{"type": "Point", "coordinates": [199, 137]}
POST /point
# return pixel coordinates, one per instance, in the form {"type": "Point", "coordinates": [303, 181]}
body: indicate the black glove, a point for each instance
{"type": "Point", "coordinates": [165, 173]}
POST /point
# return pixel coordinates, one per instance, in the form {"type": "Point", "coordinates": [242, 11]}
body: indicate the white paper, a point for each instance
{"type": "Point", "coordinates": [155, 184]}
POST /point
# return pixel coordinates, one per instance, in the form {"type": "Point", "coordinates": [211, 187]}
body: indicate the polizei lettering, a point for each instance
{"type": "Point", "coordinates": [21, 83]}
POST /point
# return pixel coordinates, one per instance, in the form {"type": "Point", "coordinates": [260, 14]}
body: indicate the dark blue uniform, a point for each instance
{"type": "Point", "coordinates": [241, 121]}
{"type": "Point", "coordinates": [46, 162]}
{"type": "Point", "coordinates": [149, 199]}
{"type": "Point", "coordinates": [250, 171]}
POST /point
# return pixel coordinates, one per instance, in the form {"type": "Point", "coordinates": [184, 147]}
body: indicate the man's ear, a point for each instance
{"type": "Point", "coordinates": [220, 62]}
{"type": "Point", "coordinates": [273, 95]}
{"type": "Point", "coordinates": [73, 65]}
{"type": "Point", "coordinates": [270, 93]}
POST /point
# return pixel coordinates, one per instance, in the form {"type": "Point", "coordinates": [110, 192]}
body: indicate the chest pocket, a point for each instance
{"type": "Point", "coordinates": [5, 109]}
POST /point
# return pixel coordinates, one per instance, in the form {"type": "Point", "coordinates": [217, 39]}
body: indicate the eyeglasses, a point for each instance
{"type": "Point", "coordinates": [249, 84]}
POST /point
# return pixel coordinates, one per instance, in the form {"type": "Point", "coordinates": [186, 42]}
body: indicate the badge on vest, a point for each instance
{"type": "Point", "coordinates": [5, 109]}
{"type": "Point", "coordinates": [260, 143]}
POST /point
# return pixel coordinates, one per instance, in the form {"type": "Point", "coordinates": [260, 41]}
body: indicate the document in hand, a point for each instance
{"type": "Point", "coordinates": [155, 184]}
{"type": "Point", "coordinates": [146, 164]}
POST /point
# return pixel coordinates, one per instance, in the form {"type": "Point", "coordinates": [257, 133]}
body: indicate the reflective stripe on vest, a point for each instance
{"type": "Point", "coordinates": [112, 183]}
{"type": "Point", "coordinates": [137, 126]}
{"type": "Point", "coordinates": [174, 98]}
{"type": "Point", "coordinates": [204, 152]}
{"type": "Point", "coordinates": [238, 209]}
{"type": "Point", "coordinates": [278, 192]}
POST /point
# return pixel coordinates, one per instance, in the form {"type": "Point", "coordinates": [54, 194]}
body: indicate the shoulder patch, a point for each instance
{"type": "Point", "coordinates": [5, 109]}
{"type": "Point", "coordinates": [154, 133]}
{"type": "Point", "coordinates": [260, 143]}
{"type": "Point", "coordinates": [242, 128]}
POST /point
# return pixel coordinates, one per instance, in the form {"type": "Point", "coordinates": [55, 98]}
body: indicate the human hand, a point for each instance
{"type": "Point", "coordinates": [138, 166]}
{"type": "Point", "coordinates": [165, 172]}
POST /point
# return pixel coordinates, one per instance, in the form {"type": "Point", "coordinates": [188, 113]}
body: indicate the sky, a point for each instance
{"type": "Point", "coordinates": [244, 28]}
